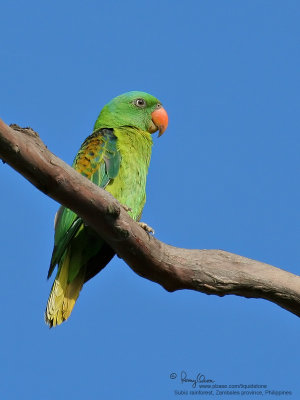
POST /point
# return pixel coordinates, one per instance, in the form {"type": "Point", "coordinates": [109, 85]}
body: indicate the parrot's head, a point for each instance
{"type": "Point", "coordinates": [135, 108]}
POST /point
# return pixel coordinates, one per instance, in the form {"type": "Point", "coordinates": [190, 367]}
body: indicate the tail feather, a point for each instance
{"type": "Point", "coordinates": [63, 294]}
{"type": "Point", "coordinates": [72, 292]}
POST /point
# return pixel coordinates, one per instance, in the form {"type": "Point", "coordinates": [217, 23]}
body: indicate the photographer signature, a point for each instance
{"type": "Point", "coordinates": [200, 378]}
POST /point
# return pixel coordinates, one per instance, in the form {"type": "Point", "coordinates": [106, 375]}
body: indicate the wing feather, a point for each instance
{"type": "Point", "coordinates": [98, 160]}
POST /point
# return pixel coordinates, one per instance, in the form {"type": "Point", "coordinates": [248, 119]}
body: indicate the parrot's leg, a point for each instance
{"type": "Point", "coordinates": [143, 225]}
{"type": "Point", "coordinates": [146, 227]}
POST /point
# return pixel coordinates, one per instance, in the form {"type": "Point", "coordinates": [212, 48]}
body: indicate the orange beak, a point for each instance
{"type": "Point", "coordinates": [160, 119]}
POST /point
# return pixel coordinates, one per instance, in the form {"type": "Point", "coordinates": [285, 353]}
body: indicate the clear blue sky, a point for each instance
{"type": "Point", "coordinates": [225, 175]}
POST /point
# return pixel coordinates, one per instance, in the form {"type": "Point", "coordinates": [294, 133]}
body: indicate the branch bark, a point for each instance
{"type": "Point", "coordinates": [208, 271]}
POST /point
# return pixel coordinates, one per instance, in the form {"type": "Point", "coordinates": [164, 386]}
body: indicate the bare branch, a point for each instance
{"type": "Point", "coordinates": [208, 271]}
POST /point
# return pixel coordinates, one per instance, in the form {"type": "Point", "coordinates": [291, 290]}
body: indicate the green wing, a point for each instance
{"type": "Point", "coordinates": [98, 160]}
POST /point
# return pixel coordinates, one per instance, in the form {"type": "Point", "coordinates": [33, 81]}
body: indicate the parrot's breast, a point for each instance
{"type": "Point", "coordinates": [129, 187]}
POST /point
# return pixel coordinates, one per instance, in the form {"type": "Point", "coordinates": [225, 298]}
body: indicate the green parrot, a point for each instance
{"type": "Point", "coordinates": [116, 157]}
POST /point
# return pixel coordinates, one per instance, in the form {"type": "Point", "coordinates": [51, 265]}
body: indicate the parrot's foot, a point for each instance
{"type": "Point", "coordinates": [126, 208]}
{"type": "Point", "coordinates": [146, 227]}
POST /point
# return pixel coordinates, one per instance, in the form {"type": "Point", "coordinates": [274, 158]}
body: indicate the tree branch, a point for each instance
{"type": "Point", "coordinates": [207, 271]}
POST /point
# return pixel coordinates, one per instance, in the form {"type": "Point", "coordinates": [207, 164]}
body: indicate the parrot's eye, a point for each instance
{"type": "Point", "coordinates": [140, 103]}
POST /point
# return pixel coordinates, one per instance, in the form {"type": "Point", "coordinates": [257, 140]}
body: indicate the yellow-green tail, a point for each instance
{"type": "Point", "coordinates": [63, 294]}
